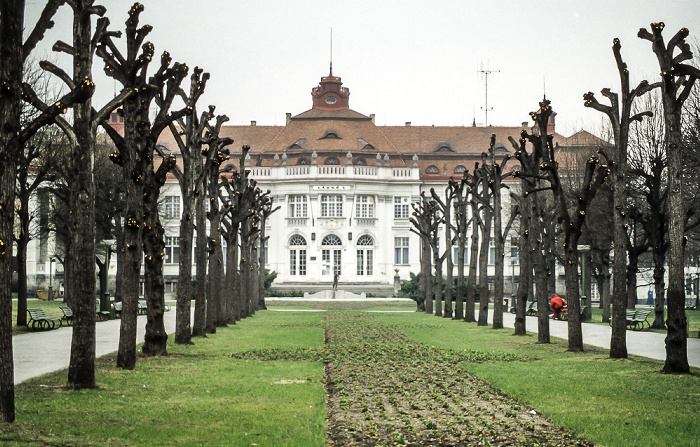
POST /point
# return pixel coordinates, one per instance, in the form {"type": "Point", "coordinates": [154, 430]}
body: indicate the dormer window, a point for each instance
{"type": "Point", "coordinates": [444, 147]}
{"type": "Point", "coordinates": [330, 135]}
{"type": "Point", "coordinates": [368, 146]}
{"type": "Point", "coordinates": [500, 148]}
{"type": "Point", "coordinates": [432, 169]}
{"type": "Point", "coordinates": [298, 144]}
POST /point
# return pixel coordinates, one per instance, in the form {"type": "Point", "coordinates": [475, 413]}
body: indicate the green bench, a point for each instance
{"type": "Point", "coordinates": [38, 320]}
{"type": "Point", "coordinates": [67, 315]}
{"type": "Point", "coordinates": [142, 308]}
{"type": "Point", "coordinates": [565, 315]}
{"type": "Point", "coordinates": [638, 320]}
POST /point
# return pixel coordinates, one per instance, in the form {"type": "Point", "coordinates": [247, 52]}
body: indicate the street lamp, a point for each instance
{"type": "Point", "coordinates": [512, 285]}
{"type": "Point", "coordinates": [50, 297]}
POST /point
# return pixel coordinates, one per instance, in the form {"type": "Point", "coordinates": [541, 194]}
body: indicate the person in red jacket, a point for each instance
{"type": "Point", "coordinates": [558, 305]}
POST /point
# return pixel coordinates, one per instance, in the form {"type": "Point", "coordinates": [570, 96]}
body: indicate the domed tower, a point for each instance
{"type": "Point", "coordinates": [330, 95]}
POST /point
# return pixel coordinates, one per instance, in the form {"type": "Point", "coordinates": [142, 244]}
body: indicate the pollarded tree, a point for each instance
{"type": "Point", "coordinates": [217, 153]}
{"type": "Point", "coordinates": [461, 224]}
{"type": "Point", "coordinates": [619, 112]}
{"type": "Point", "coordinates": [13, 54]}
{"type": "Point", "coordinates": [484, 219]}
{"type": "Point", "coordinates": [189, 137]}
{"type": "Point", "coordinates": [81, 135]}
{"type": "Point", "coordinates": [570, 219]}
{"type": "Point", "coordinates": [445, 209]}
{"type": "Point", "coordinates": [497, 175]}
{"type": "Point", "coordinates": [135, 153]}
{"type": "Point", "coordinates": [422, 221]}
{"type": "Point", "coordinates": [265, 212]}
{"type": "Point", "coordinates": [677, 80]}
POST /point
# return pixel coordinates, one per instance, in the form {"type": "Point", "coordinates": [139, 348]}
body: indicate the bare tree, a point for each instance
{"type": "Point", "coordinates": [619, 112]}
{"type": "Point", "coordinates": [423, 221]}
{"type": "Point", "coordinates": [12, 139]}
{"type": "Point", "coordinates": [135, 153]}
{"type": "Point", "coordinates": [677, 80]}
{"type": "Point", "coordinates": [189, 137]}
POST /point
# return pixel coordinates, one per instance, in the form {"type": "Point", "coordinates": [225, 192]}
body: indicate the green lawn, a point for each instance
{"type": "Point", "coordinates": [692, 315]}
{"type": "Point", "coordinates": [199, 392]}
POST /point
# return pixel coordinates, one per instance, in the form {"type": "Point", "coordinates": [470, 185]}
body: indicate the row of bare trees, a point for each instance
{"type": "Point", "coordinates": [642, 200]}
{"type": "Point", "coordinates": [237, 208]}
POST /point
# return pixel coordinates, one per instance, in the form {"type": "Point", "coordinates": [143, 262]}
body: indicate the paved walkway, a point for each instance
{"type": "Point", "coordinates": [39, 353]}
{"type": "Point", "coordinates": [641, 343]}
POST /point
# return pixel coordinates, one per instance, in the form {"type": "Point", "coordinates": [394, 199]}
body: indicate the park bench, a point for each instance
{"type": "Point", "coordinates": [531, 309]}
{"type": "Point", "coordinates": [38, 320]}
{"type": "Point", "coordinates": [67, 315]}
{"type": "Point", "coordinates": [102, 315]}
{"type": "Point", "coordinates": [142, 308]}
{"type": "Point", "coordinates": [638, 320]}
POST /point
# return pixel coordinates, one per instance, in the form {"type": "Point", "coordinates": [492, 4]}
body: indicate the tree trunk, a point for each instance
{"type": "Point", "coordinates": [572, 296]}
{"type": "Point", "coordinates": [632, 270]}
{"type": "Point", "coordinates": [81, 372]}
{"type": "Point", "coordinates": [230, 280]}
{"type": "Point", "coordinates": [484, 293]}
{"type": "Point", "coordinates": [156, 338]}
{"type": "Point", "coordinates": [499, 261]}
{"type": "Point", "coordinates": [659, 292]}
{"type": "Point", "coordinates": [426, 265]}
{"type": "Point", "coordinates": [618, 340]}
{"type": "Point", "coordinates": [438, 279]}
{"type": "Point", "coordinates": [542, 296]}
{"type": "Point", "coordinates": [470, 303]}
{"type": "Point", "coordinates": [461, 247]}
{"type": "Point", "coordinates": [183, 327]}
{"type": "Point", "coordinates": [525, 278]}
{"type": "Point", "coordinates": [200, 294]}
{"type": "Point", "coordinates": [677, 324]}
{"type": "Point", "coordinates": [604, 289]}
{"type": "Point", "coordinates": [215, 266]}
{"type": "Point", "coordinates": [12, 13]}
{"type": "Point", "coordinates": [22, 241]}
{"type": "Point", "coordinates": [448, 259]}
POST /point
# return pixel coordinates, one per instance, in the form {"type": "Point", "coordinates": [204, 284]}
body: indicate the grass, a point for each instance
{"type": "Point", "coordinates": [199, 392]}
{"type": "Point", "coordinates": [611, 402]}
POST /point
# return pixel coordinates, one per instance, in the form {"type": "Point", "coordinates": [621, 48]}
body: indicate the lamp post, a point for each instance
{"type": "Point", "coordinates": [109, 245]}
{"type": "Point", "coordinates": [50, 297]}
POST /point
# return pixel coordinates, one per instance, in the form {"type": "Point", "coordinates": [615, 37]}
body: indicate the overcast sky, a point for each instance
{"type": "Point", "coordinates": [403, 60]}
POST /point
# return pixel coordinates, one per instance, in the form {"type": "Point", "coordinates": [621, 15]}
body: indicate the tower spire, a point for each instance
{"type": "Point", "coordinates": [331, 72]}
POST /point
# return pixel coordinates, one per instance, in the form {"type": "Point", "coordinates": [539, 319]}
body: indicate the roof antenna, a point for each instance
{"type": "Point", "coordinates": [544, 86]}
{"type": "Point", "coordinates": [331, 51]}
{"type": "Point", "coordinates": [486, 108]}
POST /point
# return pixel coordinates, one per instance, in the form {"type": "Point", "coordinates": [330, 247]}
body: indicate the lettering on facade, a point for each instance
{"type": "Point", "coordinates": [330, 188]}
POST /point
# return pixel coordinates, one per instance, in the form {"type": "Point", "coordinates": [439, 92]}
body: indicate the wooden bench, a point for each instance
{"type": "Point", "coordinates": [67, 315]}
{"type": "Point", "coordinates": [38, 320]}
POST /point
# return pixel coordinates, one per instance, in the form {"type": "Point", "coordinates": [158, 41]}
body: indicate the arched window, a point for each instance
{"type": "Point", "coordinates": [444, 147]}
{"type": "Point", "coordinates": [365, 255]}
{"type": "Point", "coordinates": [303, 161]}
{"type": "Point", "coordinates": [332, 161]}
{"type": "Point", "coordinates": [331, 255]}
{"type": "Point", "coordinates": [460, 169]}
{"type": "Point", "coordinates": [331, 135]}
{"type": "Point", "coordinates": [365, 240]}
{"type": "Point", "coordinates": [432, 169]}
{"type": "Point", "coordinates": [331, 239]}
{"type": "Point", "coordinates": [297, 255]}
{"type": "Point", "coordinates": [360, 162]}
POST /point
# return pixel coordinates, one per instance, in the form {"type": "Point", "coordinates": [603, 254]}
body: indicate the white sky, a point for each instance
{"type": "Point", "coordinates": [403, 60]}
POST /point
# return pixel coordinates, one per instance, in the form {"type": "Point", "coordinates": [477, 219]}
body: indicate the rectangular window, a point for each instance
{"type": "Point", "coordinates": [401, 207]}
{"type": "Point", "coordinates": [360, 262]}
{"type": "Point", "coordinates": [364, 206]}
{"type": "Point", "coordinates": [492, 251]}
{"type": "Point", "coordinates": [302, 262]}
{"type": "Point", "coordinates": [172, 250]}
{"type": "Point", "coordinates": [292, 262]}
{"type": "Point", "coordinates": [298, 206]}
{"type": "Point", "coordinates": [365, 259]}
{"type": "Point", "coordinates": [331, 205]}
{"type": "Point", "coordinates": [401, 250]}
{"type": "Point", "coordinates": [171, 207]}
{"type": "Point", "coordinates": [514, 249]}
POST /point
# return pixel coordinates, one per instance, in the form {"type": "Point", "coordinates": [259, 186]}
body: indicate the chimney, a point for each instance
{"type": "Point", "coordinates": [371, 116]}
{"type": "Point", "coordinates": [253, 123]}
{"type": "Point", "coordinates": [408, 124]}
{"type": "Point", "coordinates": [524, 124]}
{"type": "Point", "coordinates": [289, 118]}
